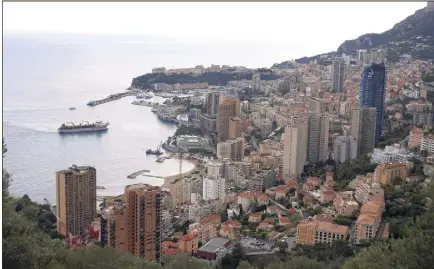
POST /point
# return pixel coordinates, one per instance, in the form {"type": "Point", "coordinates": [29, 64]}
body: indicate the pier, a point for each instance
{"type": "Point", "coordinates": [152, 176]}
{"type": "Point", "coordinates": [111, 97]}
{"type": "Point", "coordinates": [162, 159]}
{"type": "Point", "coordinates": [135, 174]}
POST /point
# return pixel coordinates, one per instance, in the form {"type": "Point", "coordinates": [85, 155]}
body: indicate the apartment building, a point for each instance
{"type": "Point", "coordinates": [344, 148]}
{"type": "Point", "coordinates": [344, 204]}
{"type": "Point", "coordinates": [212, 103]}
{"type": "Point", "coordinates": [310, 232]}
{"type": "Point", "coordinates": [232, 149]}
{"type": "Point", "coordinates": [75, 199]}
{"type": "Point", "coordinates": [338, 75]}
{"type": "Point", "coordinates": [427, 143]}
{"type": "Point", "coordinates": [135, 227]}
{"type": "Point", "coordinates": [415, 137]}
{"type": "Point", "coordinates": [363, 129]}
{"type": "Point", "coordinates": [235, 128]}
{"type": "Point", "coordinates": [214, 188]}
{"type": "Point", "coordinates": [295, 148]}
{"type": "Point", "coordinates": [366, 190]}
{"type": "Point", "coordinates": [369, 219]}
{"type": "Point", "coordinates": [318, 130]}
{"type": "Point", "coordinates": [229, 108]}
{"type": "Point", "coordinates": [188, 243]}
{"type": "Point", "coordinates": [384, 173]}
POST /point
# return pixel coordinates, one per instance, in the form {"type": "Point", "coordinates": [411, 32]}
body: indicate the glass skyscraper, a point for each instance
{"type": "Point", "coordinates": [373, 92]}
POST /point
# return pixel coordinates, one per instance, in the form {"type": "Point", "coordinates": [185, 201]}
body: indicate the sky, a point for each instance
{"type": "Point", "coordinates": [325, 24]}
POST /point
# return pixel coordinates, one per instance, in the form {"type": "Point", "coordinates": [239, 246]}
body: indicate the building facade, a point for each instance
{"type": "Point", "coordinates": [229, 108]}
{"type": "Point", "coordinates": [214, 188]}
{"type": "Point", "coordinates": [363, 129]}
{"type": "Point", "coordinates": [295, 148]}
{"type": "Point", "coordinates": [75, 199]}
{"type": "Point", "coordinates": [373, 93]}
{"type": "Point", "coordinates": [338, 75]}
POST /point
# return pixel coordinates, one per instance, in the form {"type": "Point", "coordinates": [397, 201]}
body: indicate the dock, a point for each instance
{"type": "Point", "coordinates": [162, 159]}
{"type": "Point", "coordinates": [135, 174]}
{"type": "Point", "coordinates": [152, 176]}
{"type": "Point", "coordinates": [111, 97]}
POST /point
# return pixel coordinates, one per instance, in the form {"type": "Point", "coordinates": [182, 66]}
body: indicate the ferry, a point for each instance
{"type": "Point", "coordinates": [84, 126]}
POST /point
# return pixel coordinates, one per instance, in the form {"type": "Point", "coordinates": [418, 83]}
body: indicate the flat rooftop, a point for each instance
{"type": "Point", "coordinates": [214, 245]}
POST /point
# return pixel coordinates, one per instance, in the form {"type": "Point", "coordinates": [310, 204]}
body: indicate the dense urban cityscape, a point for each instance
{"type": "Point", "coordinates": [310, 163]}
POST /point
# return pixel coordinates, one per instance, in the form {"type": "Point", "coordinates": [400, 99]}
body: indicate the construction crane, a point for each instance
{"type": "Point", "coordinates": [180, 198]}
{"type": "Point", "coordinates": [75, 241]}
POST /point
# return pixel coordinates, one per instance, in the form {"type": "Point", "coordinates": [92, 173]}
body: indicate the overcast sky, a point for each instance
{"type": "Point", "coordinates": [326, 23]}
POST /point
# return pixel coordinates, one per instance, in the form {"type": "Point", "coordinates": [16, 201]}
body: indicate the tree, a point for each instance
{"type": "Point", "coordinates": [283, 246]}
{"type": "Point", "coordinates": [240, 207]}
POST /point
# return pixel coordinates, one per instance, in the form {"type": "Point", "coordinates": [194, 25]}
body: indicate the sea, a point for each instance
{"type": "Point", "coordinates": [45, 74]}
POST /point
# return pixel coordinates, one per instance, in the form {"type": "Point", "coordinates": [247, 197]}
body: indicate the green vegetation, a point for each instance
{"type": "Point", "coordinates": [212, 78]}
{"type": "Point", "coordinates": [428, 77]}
{"type": "Point", "coordinates": [27, 245]}
{"type": "Point", "coordinates": [349, 170]}
{"type": "Point", "coordinates": [393, 137]}
{"type": "Point", "coordinates": [188, 130]}
{"type": "Point", "coordinates": [284, 65]}
{"type": "Point", "coordinates": [341, 220]}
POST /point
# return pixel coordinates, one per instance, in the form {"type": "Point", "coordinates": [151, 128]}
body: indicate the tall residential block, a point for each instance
{"type": "Point", "coordinates": [229, 108]}
{"type": "Point", "coordinates": [373, 93]}
{"type": "Point", "coordinates": [318, 131]}
{"type": "Point", "coordinates": [369, 219]}
{"type": "Point", "coordinates": [135, 227]}
{"type": "Point", "coordinates": [338, 75]}
{"type": "Point", "coordinates": [214, 188]}
{"type": "Point", "coordinates": [235, 128]}
{"type": "Point", "coordinates": [344, 148]}
{"type": "Point", "coordinates": [363, 129]}
{"type": "Point", "coordinates": [232, 149]}
{"type": "Point", "coordinates": [295, 147]}
{"type": "Point", "coordinates": [75, 199]}
{"type": "Point", "coordinates": [212, 103]}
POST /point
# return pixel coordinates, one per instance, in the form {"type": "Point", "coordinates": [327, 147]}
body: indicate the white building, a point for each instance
{"type": "Point", "coordinates": [345, 148]}
{"type": "Point", "coordinates": [364, 191]}
{"type": "Point", "coordinates": [214, 188]}
{"type": "Point", "coordinates": [295, 148]}
{"type": "Point", "coordinates": [427, 143]}
{"type": "Point", "coordinates": [391, 154]}
{"type": "Point", "coordinates": [215, 169]}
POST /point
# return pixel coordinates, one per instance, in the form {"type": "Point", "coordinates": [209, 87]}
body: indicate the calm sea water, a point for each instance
{"type": "Point", "coordinates": [44, 76]}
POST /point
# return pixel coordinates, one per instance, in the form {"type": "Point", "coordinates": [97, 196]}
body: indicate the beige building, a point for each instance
{"type": "Point", "coordinates": [384, 173]}
{"type": "Point", "coordinates": [295, 148]}
{"type": "Point", "coordinates": [363, 129]}
{"type": "Point", "coordinates": [232, 149]}
{"type": "Point", "coordinates": [369, 220]}
{"type": "Point", "coordinates": [229, 108]}
{"type": "Point", "coordinates": [136, 226]}
{"type": "Point", "coordinates": [75, 199]}
{"type": "Point", "coordinates": [235, 128]}
{"type": "Point", "coordinates": [310, 232]}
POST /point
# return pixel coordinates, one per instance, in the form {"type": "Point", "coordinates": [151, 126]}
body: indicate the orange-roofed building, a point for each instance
{"type": "Point", "coordinates": [284, 221]}
{"type": "Point", "coordinates": [316, 181]}
{"type": "Point", "coordinates": [415, 136]}
{"type": "Point", "coordinates": [263, 199]}
{"type": "Point", "coordinates": [280, 193]}
{"type": "Point", "coordinates": [384, 173]}
{"type": "Point", "coordinates": [291, 184]}
{"type": "Point", "coordinates": [213, 219]}
{"type": "Point", "coordinates": [265, 226]}
{"type": "Point", "coordinates": [230, 229]}
{"type": "Point", "coordinates": [310, 232]}
{"type": "Point", "coordinates": [329, 176]}
{"type": "Point", "coordinates": [255, 217]}
{"type": "Point", "coordinates": [369, 219]}
{"type": "Point", "coordinates": [307, 200]}
{"type": "Point", "coordinates": [245, 199]}
{"type": "Point", "coordinates": [169, 248]}
{"type": "Point", "coordinates": [188, 243]}
{"type": "Point", "coordinates": [327, 196]}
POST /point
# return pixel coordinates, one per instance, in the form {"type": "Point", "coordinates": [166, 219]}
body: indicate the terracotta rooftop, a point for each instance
{"type": "Point", "coordinates": [188, 237]}
{"type": "Point", "coordinates": [284, 220]}
{"type": "Point", "coordinates": [332, 228]}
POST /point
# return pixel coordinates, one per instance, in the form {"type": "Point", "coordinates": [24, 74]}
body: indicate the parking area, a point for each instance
{"type": "Point", "coordinates": [256, 245]}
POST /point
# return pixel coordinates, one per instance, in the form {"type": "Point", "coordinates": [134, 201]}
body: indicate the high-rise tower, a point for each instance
{"type": "Point", "coordinates": [373, 93]}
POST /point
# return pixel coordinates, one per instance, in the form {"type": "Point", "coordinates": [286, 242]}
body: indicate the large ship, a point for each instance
{"type": "Point", "coordinates": [84, 126]}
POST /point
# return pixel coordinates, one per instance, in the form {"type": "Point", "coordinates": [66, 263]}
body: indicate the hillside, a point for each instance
{"type": "Point", "coordinates": [414, 35]}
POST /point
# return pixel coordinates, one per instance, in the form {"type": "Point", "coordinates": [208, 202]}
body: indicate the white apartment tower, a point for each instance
{"type": "Point", "coordinates": [344, 148]}
{"type": "Point", "coordinates": [214, 188]}
{"type": "Point", "coordinates": [295, 147]}
{"type": "Point", "coordinates": [318, 131]}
